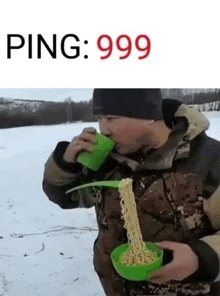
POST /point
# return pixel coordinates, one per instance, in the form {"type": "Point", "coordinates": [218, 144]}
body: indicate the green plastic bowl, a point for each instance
{"type": "Point", "coordinates": [136, 273]}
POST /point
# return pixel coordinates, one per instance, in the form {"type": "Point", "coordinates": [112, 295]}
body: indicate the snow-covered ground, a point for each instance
{"type": "Point", "coordinates": [45, 250]}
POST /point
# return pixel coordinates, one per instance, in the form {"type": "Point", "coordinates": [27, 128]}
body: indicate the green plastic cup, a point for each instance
{"type": "Point", "coordinates": [101, 150]}
{"type": "Point", "coordinates": [137, 273]}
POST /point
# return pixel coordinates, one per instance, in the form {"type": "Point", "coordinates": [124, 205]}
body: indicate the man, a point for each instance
{"type": "Point", "coordinates": [175, 169]}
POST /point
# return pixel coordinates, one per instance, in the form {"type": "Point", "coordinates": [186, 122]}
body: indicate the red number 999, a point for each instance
{"type": "Point", "coordinates": [124, 44]}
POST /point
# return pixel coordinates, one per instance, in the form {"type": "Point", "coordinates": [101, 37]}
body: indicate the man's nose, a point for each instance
{"type": "Point", "coordinates": [104, 129]}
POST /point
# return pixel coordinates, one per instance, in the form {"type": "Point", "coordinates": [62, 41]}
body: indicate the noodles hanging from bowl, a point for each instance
{"type": "Point", "coordinates": [136, 254]}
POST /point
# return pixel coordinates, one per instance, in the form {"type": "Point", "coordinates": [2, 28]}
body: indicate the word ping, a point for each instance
{"type": "Point", "coordinates": [18, 42]}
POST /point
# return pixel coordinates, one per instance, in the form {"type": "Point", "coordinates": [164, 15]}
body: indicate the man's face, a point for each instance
{"type": "Point", "coordinates": [129, 134]}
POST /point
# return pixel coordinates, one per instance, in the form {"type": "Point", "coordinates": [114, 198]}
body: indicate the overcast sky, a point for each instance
{"type": "Point", "coordinates": [47, 94]}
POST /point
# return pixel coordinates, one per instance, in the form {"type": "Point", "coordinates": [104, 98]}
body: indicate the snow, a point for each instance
{"type": "Point", "coordinates": [45, 250]}
{"type": "Point", "coordinates": [214, 118]}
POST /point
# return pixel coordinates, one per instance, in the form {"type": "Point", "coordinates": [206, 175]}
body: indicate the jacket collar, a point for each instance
{"type": "Point", "coordinates": [161, 158]}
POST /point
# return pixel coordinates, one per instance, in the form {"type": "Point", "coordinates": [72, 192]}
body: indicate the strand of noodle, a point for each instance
{"type": "Point", "coordinates": [137, 254]}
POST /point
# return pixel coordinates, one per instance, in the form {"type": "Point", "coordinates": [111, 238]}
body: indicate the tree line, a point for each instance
{"type": "Point", "coordinates": [202, 98]}
{"type": "Point", "coordinates": [46, 113]}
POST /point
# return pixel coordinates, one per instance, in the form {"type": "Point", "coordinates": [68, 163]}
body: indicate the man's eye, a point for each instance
{"type": "Point", "coordinates": [107, 118]}
{"type": "Point", "coordinates": [112, 117]}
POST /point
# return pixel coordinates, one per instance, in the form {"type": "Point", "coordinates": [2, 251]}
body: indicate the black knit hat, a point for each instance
{"type": "Point", "coordinates": [130, 102]}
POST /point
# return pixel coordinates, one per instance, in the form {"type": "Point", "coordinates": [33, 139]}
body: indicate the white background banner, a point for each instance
{"type": "Point", "coordinates": [54, 44]}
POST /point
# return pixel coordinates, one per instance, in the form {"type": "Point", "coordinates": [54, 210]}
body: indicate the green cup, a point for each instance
{"type": "Point", "coordinates": [101, 150]}
{"type": "Point", "coordinates": [137, 273]}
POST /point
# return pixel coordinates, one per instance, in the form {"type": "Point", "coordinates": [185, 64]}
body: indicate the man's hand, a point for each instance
{"type": "Point", "coordinates": [84, 142]}
{"type": "Point", "coordinates": [185, 262]}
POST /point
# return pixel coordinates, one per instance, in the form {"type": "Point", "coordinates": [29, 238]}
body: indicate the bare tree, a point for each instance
{"type": "Point", "coordinates": [68, 103]}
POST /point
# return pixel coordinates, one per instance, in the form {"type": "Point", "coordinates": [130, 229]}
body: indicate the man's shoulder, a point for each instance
{"type": "Point", "coordinates": [213, 145]}
{"type": "Point", "coordinates": [213, 141]}
{"type": "Point", "coordinates": [206, 153]}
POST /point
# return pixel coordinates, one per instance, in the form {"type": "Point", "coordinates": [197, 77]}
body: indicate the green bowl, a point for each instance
{"type": "Point", "coordinates": [137, 273]}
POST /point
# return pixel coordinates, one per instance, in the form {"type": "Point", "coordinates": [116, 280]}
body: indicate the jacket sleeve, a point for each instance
{"type": "Point", "coordinates": [59, 176]}
{"type": "Point", "coordinates": [208, 247]}
{"type": "Point", "coordinates": [212, 209]}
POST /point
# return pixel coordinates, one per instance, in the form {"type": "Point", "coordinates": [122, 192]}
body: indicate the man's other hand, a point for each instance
{"type": "Point", "coordinates": [185, 262]}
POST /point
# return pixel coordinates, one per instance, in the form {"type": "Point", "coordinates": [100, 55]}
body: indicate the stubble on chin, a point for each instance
{"type": "Point", "coordinates": [126, 150]}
